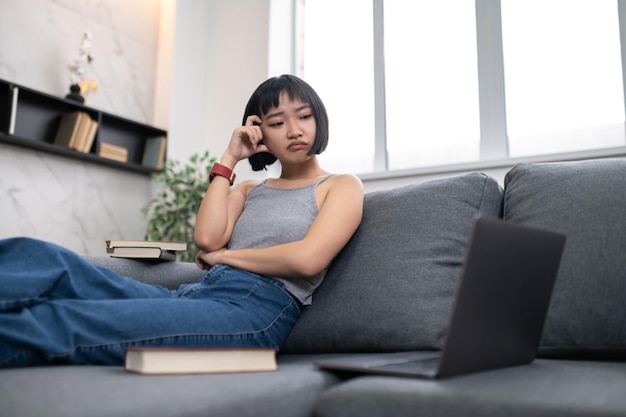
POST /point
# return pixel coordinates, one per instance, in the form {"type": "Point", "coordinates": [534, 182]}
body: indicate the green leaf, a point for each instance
{"type": "Point", "coordinates": [172, 212]}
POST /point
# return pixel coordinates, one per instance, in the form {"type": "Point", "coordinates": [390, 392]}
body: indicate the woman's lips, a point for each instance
{"type": "Point", "coordinates": [297, 146]}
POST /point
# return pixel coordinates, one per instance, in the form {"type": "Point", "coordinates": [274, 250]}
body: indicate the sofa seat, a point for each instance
{"type": "Point", "coordinates": [547, 387]}
{"type": "Point", "coordinates": [79, 391]}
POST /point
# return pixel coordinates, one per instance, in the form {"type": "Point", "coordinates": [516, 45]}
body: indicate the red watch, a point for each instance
{"type": "Point", "coordinates": [222, 171]}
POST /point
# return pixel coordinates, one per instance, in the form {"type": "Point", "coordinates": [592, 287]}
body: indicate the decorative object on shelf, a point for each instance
{"type": "Point", "coordinates": [75, 94]}
{"type": "Point", "coordinates": [172, 212]}
{"type": "Point", "coordinates": [80, 83]}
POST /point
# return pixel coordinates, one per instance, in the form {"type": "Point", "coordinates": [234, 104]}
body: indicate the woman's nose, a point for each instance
{"type": "Point", "coordinates": [294, 131]}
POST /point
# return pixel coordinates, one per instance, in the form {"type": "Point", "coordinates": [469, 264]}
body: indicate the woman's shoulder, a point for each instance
{"type": "Point", "coordinates": [343, 184]}
{"type": "Point", "coordinates": [345, 180]}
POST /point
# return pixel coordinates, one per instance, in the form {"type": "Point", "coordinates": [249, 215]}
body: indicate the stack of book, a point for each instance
{"type": "Point", "coordinates": [77, 130]}
{"type": "Point", "coordinates": [114, 152]}
{"type": "Point", "coordinates": [145, 249]}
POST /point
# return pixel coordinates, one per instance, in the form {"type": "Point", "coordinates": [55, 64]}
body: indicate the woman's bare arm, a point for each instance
{"type": "Point", "coordinates": [220, 207]}
{"type": "Point", "coordinates": [339, 216]}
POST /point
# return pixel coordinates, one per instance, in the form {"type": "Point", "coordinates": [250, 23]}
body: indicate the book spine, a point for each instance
{"type": "Point", "coordinates": [13, 116]}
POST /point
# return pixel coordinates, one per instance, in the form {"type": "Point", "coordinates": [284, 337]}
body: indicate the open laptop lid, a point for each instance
{"type": "Point", "coordinates": [502, 298]}
{"type": "Point", "coordinates": [500, 306]}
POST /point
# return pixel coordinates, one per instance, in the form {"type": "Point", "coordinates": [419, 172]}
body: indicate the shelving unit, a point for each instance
{"type": "Point", "coordinates": [30, 119]}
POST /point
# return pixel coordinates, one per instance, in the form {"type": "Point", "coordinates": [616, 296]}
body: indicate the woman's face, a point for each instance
{"type": "Point", "coordinates": [289, 130]}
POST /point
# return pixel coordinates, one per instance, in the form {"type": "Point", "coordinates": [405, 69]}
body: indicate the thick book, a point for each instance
{"type": "Point", "coordinates": [68, 129]}
{"type": "Point", "coordinates": [86, 141]}
{"type": "Point", "coordinates": [165, 245]}
{"type": "Point", "coordinates": [154, 152]}
{"type": "Point", "coordinates": [142, 253]}
{"type": "Point", "coordinates": [82, 130]}
{"type": "Point", "coordinates": [191, 360]}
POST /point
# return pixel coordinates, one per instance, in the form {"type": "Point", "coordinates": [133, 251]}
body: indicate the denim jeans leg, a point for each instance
{"type": "Point", "coordinates": [228, 307]}
{"type": "Point", "coordinates": [33, 271]}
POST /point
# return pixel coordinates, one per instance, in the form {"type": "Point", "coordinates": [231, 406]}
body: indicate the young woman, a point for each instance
{"type": "Point", "coordinates": [265, 244]}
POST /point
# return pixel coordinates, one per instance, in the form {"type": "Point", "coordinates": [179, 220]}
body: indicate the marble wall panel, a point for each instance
{"type": "Point", "coordinates": [75, 203]}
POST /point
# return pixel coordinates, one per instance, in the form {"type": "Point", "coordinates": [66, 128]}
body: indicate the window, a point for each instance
{"type": "Point", "coordinates": [531, 77]}
{"type": "Point", "coordinates": [564, 87]}
{"type": "Point", "coordinates": [337, 60]}
{"type": "Point", "coordinates": [431, 83]}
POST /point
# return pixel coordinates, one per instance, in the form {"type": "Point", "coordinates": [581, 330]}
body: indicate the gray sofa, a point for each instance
{"type": "Point", "coordinates": [391, 289]}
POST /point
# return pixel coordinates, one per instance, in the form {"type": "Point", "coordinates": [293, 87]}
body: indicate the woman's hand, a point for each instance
{"type": "Point", "coordinates": [206, 260]}
{"type": "Point", "coordinates": [246, 140]}
{"type": "Point", "coordinates": [200, 263]}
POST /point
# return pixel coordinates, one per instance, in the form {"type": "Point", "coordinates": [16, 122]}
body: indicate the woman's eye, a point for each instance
{"type": "Point", "coordinates": [306, 116]}
{"type": "Point", "coordinates": [277, 124]}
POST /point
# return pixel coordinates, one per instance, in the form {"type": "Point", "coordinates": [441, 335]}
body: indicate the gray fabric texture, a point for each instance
{"type": "Point", "coordinates": [586, 201]}
{"type": "Point", "coordinates": [273, 216]}
{"type": "Point", "coordinates": [392, 286]}
{"type": "Point", "coordinates": [79, 391]}
{"type": "Point", "coordinates": [546, 388]}
{"type": "Point", "coordinates": [167, 274]}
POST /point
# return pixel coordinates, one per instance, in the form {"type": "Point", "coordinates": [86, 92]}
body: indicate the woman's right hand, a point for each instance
{"type": "Point", "coordinates": [201, 263]}
{"type": "Point", "coordinates": [246, 140]}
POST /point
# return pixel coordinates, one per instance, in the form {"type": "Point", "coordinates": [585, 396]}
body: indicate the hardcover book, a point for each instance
{"type": "Point", "coordinates": [142, 253]}
{"type": "Point", "coordinates": [192, 360]}
{"type": "Point", "coordinates": [121, 243]}
{"type": "Point", "coordinates": [154, 152]}
{"type": "Point", "coordinates": [144, 249]}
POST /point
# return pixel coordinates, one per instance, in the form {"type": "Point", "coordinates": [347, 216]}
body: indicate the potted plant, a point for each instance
{"type": "Point", "coordinates": [172, 212]}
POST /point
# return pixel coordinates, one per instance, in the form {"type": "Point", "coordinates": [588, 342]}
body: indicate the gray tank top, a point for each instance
{"type": "Point", "coordinates": [273, 216]}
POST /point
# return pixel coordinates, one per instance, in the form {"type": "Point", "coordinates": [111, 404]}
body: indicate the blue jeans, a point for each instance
{"type": "Point", "coordinates": [58, 308]}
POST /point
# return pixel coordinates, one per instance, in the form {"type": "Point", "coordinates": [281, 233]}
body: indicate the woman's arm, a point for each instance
{"type": "Point", "coordinates": [339, 216]}
{"type": "Point", "coordinates": [220, 207]}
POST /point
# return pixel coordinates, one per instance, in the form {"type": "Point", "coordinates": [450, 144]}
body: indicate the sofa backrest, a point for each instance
{"type": "Point", "coordinates": [585, 200]}
{"type": "Point", "coordinates": [392, 286]}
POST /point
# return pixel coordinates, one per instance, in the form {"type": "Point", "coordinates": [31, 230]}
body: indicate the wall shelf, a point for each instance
{"type": "Point", "coordinates": [30, 119]}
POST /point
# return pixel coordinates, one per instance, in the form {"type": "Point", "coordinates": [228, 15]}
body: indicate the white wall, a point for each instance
{"type": "Point", "coordinates": [220, 57]}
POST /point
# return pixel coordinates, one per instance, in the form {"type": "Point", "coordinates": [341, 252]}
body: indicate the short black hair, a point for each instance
{"type": "Point", "coordinates": [267, 95]}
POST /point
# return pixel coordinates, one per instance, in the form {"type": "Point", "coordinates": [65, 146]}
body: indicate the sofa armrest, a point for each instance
{"type": "Point", "coordinates": [167, 274]}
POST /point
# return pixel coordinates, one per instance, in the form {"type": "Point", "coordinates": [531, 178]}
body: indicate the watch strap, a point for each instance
{"type": "Point", "coordinates": [222, 171]}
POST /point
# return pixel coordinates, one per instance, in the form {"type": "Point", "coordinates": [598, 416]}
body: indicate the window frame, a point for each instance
{"type": "Point", "coordinates": [494, 146]}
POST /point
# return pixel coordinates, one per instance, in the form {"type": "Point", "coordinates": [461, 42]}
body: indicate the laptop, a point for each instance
{"type": "Point", "coordinates": [500, 307]}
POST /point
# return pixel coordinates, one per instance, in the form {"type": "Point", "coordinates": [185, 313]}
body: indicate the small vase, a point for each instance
{"type": "Point", "coordinates": [75, 94]}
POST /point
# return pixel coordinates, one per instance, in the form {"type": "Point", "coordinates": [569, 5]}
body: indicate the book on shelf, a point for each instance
{"type": "Point", "coordinates": [68, 129]}
{"type": "Point", "coordinates": [161, 244]}
{"type": "Point", "coordinates": [142, 253]}
{"type": "Point", "coordinates": [154, 152]}
{"type": "Point", "coordinates": [193, 360]}
{"type": "Point", "coordinates": [77, 131]}
{"type": "Point", "coordinates": [14, 94]}
{"type": "Point", "coordinates": [114, 152]}
{"type": "Point", "coordinates": [86, 137]}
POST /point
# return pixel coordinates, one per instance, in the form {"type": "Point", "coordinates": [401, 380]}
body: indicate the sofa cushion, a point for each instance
{"type": "Point", "coordinates": [79, 391]}
{"type": "Point", "coordinates": [167, 274]}
{"type": "Point", "coordinates": [585, 200]}
{"type": "Point", "coordinates": [554, 388]}
{"type": "Point", "coordinates": [391, 288]}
